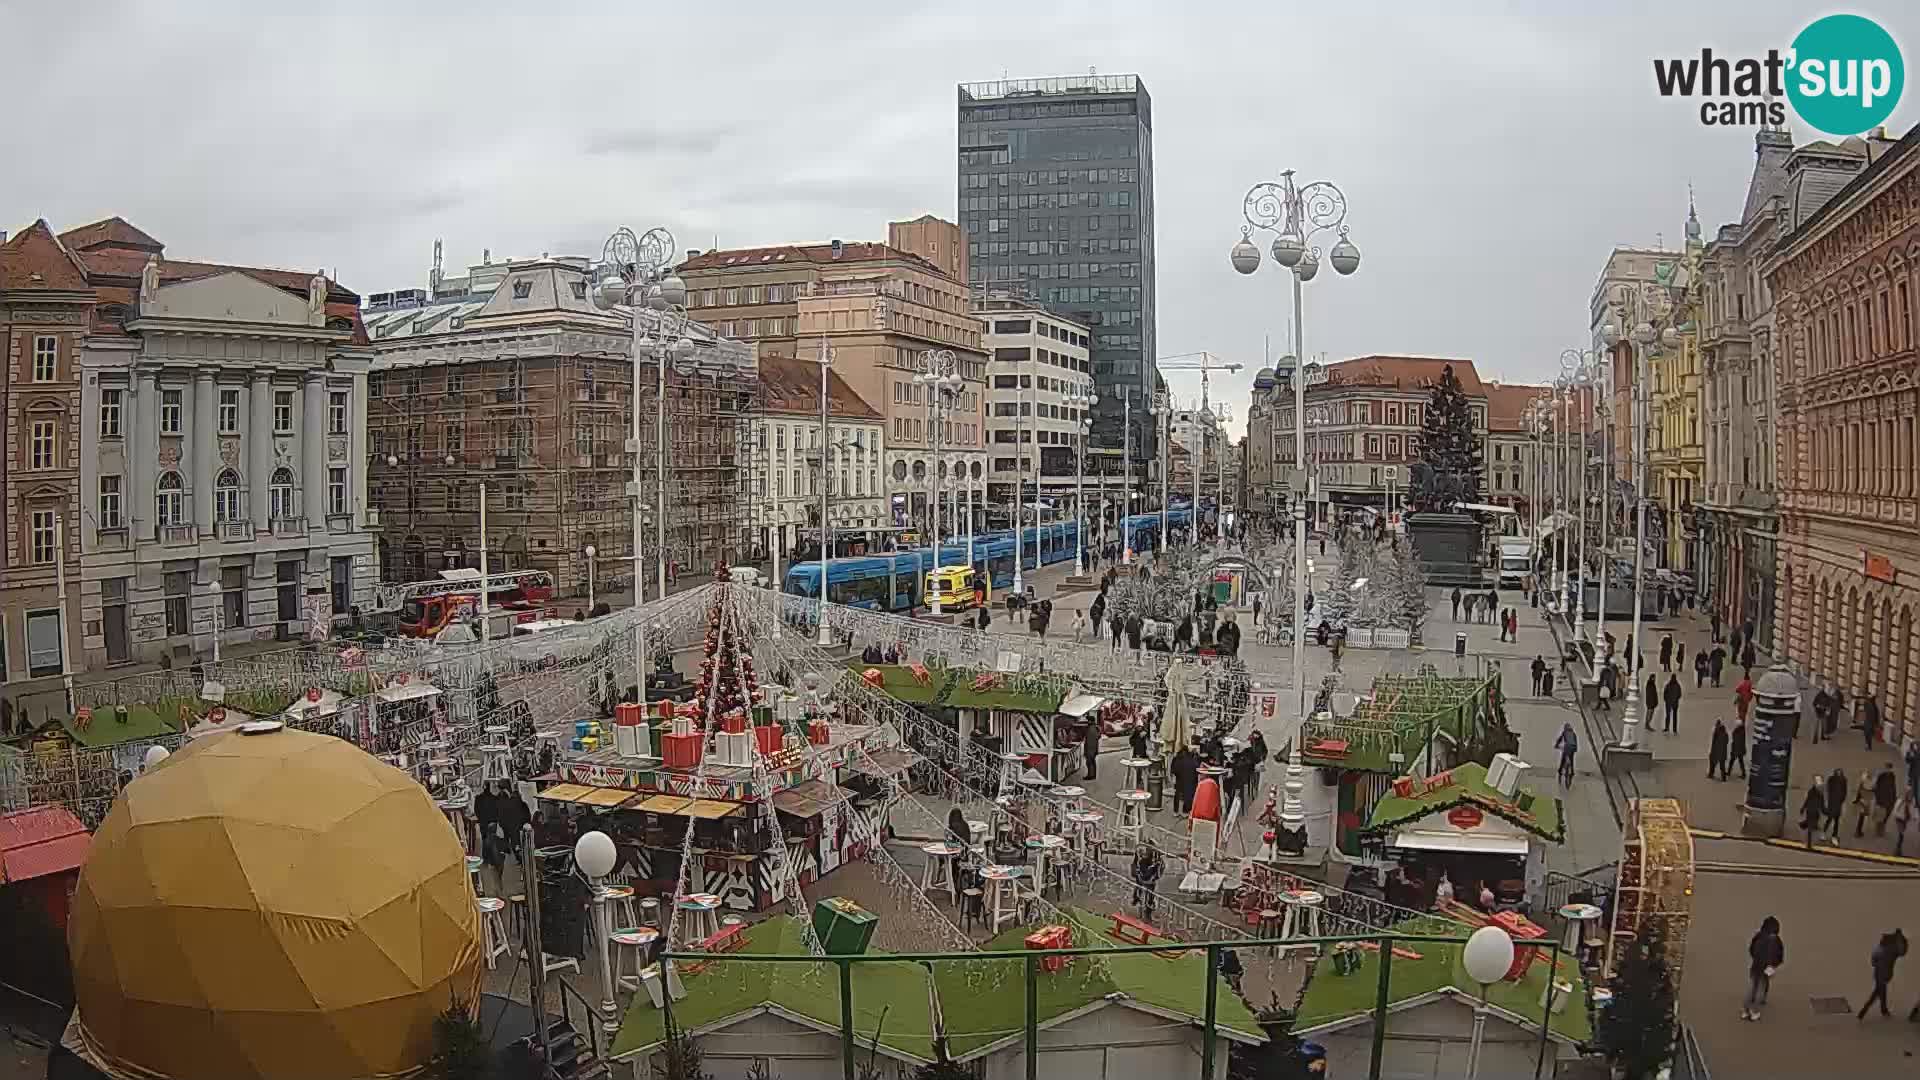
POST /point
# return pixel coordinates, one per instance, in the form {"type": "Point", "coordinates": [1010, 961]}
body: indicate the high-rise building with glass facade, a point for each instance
{"type": "Point", "coordinates": [1056, 200]}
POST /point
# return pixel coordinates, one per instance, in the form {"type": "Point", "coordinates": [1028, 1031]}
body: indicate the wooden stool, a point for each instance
{"type": "Point", "coordinates": [620, 904]}
{"type": "Point", "coordinates": [1133, 817]}
{"type": "Point", "coordinates": [1048, 852]}
{"type": "Point", "coordinates": [1269, 923]}
{"type": "Point", "coordinates": [971, 907]}
{"type": "Point", "coordinates": [474, 863]}
{"type": "Point", "coordinates": [650, 912]}
{"type": "Point", "coordinates": [1011, 766]}
{"type": "Point", "coordinates": [1136, 772]}
{"type": "Point", "coordinates": [634, 942]}
{"type": "Point", "coordinates": [496, 754]}
{"type": "Point", "coordinates": [493, 928]}
{"type": "Point", "coordinates": [939, 869]}
{"type": "Point", "coordinates": [1302, 919]}
{"type": "Point", "coordinates": [1069, 796]}
{"type": "Point", "coordinates": [517, 916]}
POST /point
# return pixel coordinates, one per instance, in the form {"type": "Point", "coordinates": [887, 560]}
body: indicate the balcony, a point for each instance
{"type": "Point", "coordinates": [234, 532]}
{"type": "Point", "coordinates": [290, 526]}
{"type": "Point", "coordinates": [178, 535]}
{"type": "Point", "coordinates": [110, 539]}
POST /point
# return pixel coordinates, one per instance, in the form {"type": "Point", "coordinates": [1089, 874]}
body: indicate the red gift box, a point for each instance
{"type": "Point", "coordinates": [1050, 937]}
{"type": "Point", "coordinates": [769, 738]}
{"type": "Point", "coordinates": [817, 733]}
{"type": "Point", "coordinates": [735, 723]}
{"type": "Point", "coordinates": [627, 714]}
{"type": "Point", "coordinates": [680, 751]}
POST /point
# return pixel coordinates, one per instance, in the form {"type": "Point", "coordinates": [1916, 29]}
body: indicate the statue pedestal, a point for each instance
{"type": "Point", "coordinates": [1618, 760]}
{"type": "Point", "coordinates": [1765, 824]}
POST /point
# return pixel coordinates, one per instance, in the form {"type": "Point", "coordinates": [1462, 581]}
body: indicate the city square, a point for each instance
{"type": "Point", "coordinates": [1024, 578]}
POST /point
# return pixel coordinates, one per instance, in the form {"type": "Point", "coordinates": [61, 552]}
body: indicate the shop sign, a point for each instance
{"type": "Point", "coordinates": [1466, 818]}
{"type": "Point", "coordinates": [1877, 567]}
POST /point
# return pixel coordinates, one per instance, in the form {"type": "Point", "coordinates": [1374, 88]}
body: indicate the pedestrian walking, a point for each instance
{"type": "Point", "coordinates": [1680, 656]}
{"type": "Point", "coordinates": [1822, 705]}
{"type": "Point", "coordinates": [1714, 622]}
{"type": "Point", "coordinates": [1868, 712]}
{"type": "Point", "coordinates": [1135, 626]}
{"type": "Point", "coordinates": [1092, 747]}
{"type": "Point", "coordinates": [1836, 804]}
{"type": "Point", "coordinates": [1147, 867]}
{"type": "Point", "coordinates": [1472, 604]}
{"type": "Point", "coordinates": [1492, 602]}
{"type": "Point", "coordinates": [1813, 810]}
{"type": "Point", "coordinates": [1902, 817]}
{"type": "Point", "coordinates": [1116, 625]}
{"type": "Point", "coordinates": [1737, 748]}
{"type": "Point", "coordinates": [1539, 668]}
{"type": "Point", "coordinates": [1186, 778]}
{"type": "Point", "coordinates": [1079, 626]}
{"type": "Point", "coordinates": [1717, 751]}
{"type": "Point", "coordinates": [1862, 803]}
{"type": "Point", "coordinates": [1743, 697]}
{"type": "Point", "coordinates": [1886, 790]}
{"type": "Point", "coordinates": [1650, 697]}
{"type": "Point", "coordinates": [1699, 670]}
{"type": "Point", "coordinates": [1913, 766]}
{"type": "Point", "coordinates": [1748, 659]}
{"type": "Point", "coordinates": [1733, 645]}
{"type": "Point", "coordinates": [1456, 605]}
{"type": "Point", "coordinates": [1672, 700]}
{"type": "Point", "coordinates": [1666, 652]}
{"type": "Point", "coordinates": [1256, 611]}
{"type": "Point", "coordinates": [1568, 744]}
{"type": "Point", "coordinates": [1716, 662]}
{"type": "Point", "coordinates": [1766, 952]}
{"type": "Point", "coordinates": [1838, 712]}
{"type": "Point", "coordinates": [1885, 955]}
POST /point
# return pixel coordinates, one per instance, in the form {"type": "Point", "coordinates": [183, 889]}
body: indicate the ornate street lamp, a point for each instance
{"type": "Point", "coordinates": [1295, 215]}
{"type": "Point", "coordinates": [939, 374]}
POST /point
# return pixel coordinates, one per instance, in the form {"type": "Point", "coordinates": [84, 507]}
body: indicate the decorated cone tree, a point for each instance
{"type": "Point", "coordinates": [1637, 1030]}
{"type": "Point", "coordinates": [1447, 463]}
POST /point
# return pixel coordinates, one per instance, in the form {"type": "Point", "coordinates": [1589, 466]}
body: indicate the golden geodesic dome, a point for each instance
{"type": "Point", "coordinates": [278, 905]}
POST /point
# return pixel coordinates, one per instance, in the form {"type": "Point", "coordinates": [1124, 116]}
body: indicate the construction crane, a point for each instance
{"type": "Point", "coordinates": [1205, 363]}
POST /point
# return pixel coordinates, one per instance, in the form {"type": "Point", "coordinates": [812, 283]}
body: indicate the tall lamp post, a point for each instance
{"type": "Point", "coordinates": [822, 636]}
{"type": "Point", "coordinates": [591, 552]}
{"type": "Point", "coordinates": [939, 375]}
{"type": "Point", "coordinates": [1162, 410]}
{"type": "Point", "coordinates": [1643, 337]}
{"type": "Point", "coordinates": [1573, 362]}
{"type": "Point", "coordinates": [594, 855]}
{"type": "Point", "coordinates": [1082, 402]}
{"type": "Point", "coordinates": [1603, 365]}
{"type": "Point", "coordinates": [634, 272]}
{"type": "Point", "coordinates": [1296, 215]}
{"type": "Point", "coordinates": [1487, 956]}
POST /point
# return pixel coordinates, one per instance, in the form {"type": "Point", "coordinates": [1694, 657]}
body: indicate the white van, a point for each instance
{"type": "Point", "coordinates": [1516, 562]}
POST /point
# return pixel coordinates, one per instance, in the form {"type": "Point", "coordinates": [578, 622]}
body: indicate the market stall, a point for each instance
{"type": "Point", "coordinates": [1472, 825]}
{"type": "Point", "coordinates": [996, 712]}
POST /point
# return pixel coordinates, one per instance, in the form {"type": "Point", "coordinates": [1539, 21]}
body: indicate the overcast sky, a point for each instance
{"type": "Point", "coordinates": [1491, 155]}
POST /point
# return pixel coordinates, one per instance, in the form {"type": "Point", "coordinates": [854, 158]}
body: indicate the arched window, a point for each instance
{"type": "Point", "coordinates": [169, 500]}
{"type": "Point", "coordinates": [226, 496]}
{"type": "Point", "coordinates": [280, 494]}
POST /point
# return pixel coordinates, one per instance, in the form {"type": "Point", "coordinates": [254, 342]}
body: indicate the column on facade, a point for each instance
{"type": "Point", "coordinates": [204, 450]}
{"type": "Point", "coordinates": [144, 449]}
{"type": "Point", "coordinates": [1882, 658]}
{"type": "Point", "coordinates": [313, 450]}
{"type": "Point", "coordinates": [260, 448]}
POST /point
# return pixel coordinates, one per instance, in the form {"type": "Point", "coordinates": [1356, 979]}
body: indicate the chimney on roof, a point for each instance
{"type": "Point", "coordinates": [693, 253]}
{"type": "Point", "coordinates": [3, 236]}
{"type": "Point", "coordinates": [838, 247]}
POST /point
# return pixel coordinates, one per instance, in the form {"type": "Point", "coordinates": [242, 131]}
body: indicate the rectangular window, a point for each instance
{"type": "Point", "coordinates": [109, 502]}
{"type": "Point", "coordinates": [176, 585]}
{"type": "Point", "coordinates": [46, 357]}
{"type": "Point", "coordinates": [337, 412]}
{"type": "Point", "coordinates": [287, 590]}
{"type": "Point", "coordinates": [45, 650]}
{"type": "Point", "coordinates": [340, 582]}
{"type": "Point", "coordinates": [282, 412]}
{"type": "Point", "coordinates": [42, 445]}
{"type": "Point", "coordinates": [110, 414]}
{"type": "Point", "coordinates": [41, 537]}
{"type": "Point", "coordinates": [233, 596]}
{"type": "Point", "coordinates": [170, 412]}
{"type": "Point", "coordinates": [229, 417]}
{"type": "Point", "coordinates": [337, 492]}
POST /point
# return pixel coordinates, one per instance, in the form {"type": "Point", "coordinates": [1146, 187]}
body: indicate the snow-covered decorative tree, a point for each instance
{"type": "Point", "coordinates": [1339, 606]}
{"type": "Point", "coordinates": [1447, 467]}
{"type": "Point", "coordinates": [1399, 586]}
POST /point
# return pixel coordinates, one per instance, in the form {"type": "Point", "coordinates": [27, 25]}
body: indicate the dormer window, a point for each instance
{"type": "Point", "coordinates": [522, 288]}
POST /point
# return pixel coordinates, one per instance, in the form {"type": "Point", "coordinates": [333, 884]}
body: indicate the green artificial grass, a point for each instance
{"type": "Point", "coordinates": [981, 1002]}
{"type": "Point", "coordinates": [953, 687]}
{"type": "Point", "coordinates": [1330, 998]}
{"type": "Point", "coordinates": [143, 722]}
{"type": "Point", "coordinates": [1470, 788]}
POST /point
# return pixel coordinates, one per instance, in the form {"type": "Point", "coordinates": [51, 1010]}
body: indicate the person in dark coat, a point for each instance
{"type": "Point", "coordinates": [1672, 699]}
{"type": "Point", "coordinates": [1539, 668]}
{"type": "Point", "coordinates": [1733, 646]}
{"type": "Point", "coordinates": [1717, 752]}
{"type": "Point", "coordinates": [1887, 953]}
{"type": "Point", "coordinates": [1666, 652]}
{"type": "Point", "coordinates": [1650, 696]}
{"type": "Point", "coordinates": [1135, 626]}
{"type": "Point", "coordinates": [1714, 621]}
{"type": "Point", "coordinates": [1737, 749]}
{"type": "Point", "coordinates": [1886, 791]}
{"type": "Point", "coordinates": [1717, 661]}
{"type": "Point", "coordinates": [1813, 810]}
{"type": "Point", "coordinates": [1699, 670]}
{"type": "Point", "coordinates": [1748, 659]}
{"type": "Point", "coordinates": [1242, 775]}
{"type": "Point", "coordinates": [1822, 706]}
{"type": "Point", "coordinates": [1765, 953]}
{"type": "Point", "coordinates": [1137, 739]}
{"type": "Point", "coordinates": [1183, 634]}
{"type": "Point", "coordinates": [1117, 626]}
{"type": "Point", "coordinates": [1186, 777]}
{"type": "Point", "coordinates": [1836, 803]}
{"type": "Point", "coordinates": [1093, 748]}
{"type": "Point", "coordinates": [1456, 602]}
{"type": "Point", "coordinates": [1146, 869]}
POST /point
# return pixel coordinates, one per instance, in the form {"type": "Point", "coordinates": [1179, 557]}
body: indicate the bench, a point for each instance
{"type": "Point", "coordinates": [1132, 931]}
{"type": "Point", "coordinates": [729, 939]}
{"type": "Point", "coordinates": [1398, 952]}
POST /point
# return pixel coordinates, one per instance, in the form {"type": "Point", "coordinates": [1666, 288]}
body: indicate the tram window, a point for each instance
{"type": "Point", "coordinates": [871, 590]}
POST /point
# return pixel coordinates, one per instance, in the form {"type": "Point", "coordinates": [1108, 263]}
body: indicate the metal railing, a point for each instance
{"type": "Point", "coordinates": [1381, 950]}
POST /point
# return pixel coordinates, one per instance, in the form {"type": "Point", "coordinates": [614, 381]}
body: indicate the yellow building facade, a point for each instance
{"type": "Point", "coordinates": [1677, 452]}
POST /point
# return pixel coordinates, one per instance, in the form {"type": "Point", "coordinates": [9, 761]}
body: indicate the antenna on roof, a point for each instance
{"type": "Point", "coordinates": [434, 277]}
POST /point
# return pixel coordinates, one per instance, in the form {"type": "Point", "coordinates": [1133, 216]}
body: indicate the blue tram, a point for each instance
{"type": "Point", "coordinates": [896, 581]}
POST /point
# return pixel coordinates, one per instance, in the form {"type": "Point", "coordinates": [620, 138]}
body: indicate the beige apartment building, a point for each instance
{"type": "Point", "coordinates": [879, 310]}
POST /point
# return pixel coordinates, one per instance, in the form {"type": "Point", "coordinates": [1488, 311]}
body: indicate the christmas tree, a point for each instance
{"type": "Point", "coordinates": [1340, 605]}
{"type": "Point", "coordinates": [1638, 1029]}
{"type": "Point", "coordinates": [1399, 586]}
{"type": "Point", "coordinates": [1447, 470]}
{"type": "Point", "coordinates": [726, 669]}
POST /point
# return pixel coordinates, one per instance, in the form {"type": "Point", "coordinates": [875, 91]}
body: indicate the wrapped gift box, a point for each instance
{"type": "Point", "coordinates": [734, 722]}
{"type": "Point", "coordinates": [1051, 937]}
{"type": "Point", "coordinates": [817, 733]}
{"type": "Point", "coordinates": [843, 927]}
{"type": "Point", "coordinates": [768, 737]}
{"type": "Point", "coordinates": [680, 751]}
{"type": "Point", "coordinates": [627, 714]}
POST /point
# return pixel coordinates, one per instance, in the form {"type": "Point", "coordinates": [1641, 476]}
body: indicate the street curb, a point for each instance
{"type": "Point", "coordinates": [1884, 859]}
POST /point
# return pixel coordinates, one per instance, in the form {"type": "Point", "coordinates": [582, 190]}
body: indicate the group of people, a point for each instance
{"type": "Point", "coordinates": [1479, 607]}
{"type": "Point", "coordinates": [1244, 766]}
{"type": "Point", "coordinates": [1879, 796]}
{"type": "Point", "coordinates": [1767, 954]}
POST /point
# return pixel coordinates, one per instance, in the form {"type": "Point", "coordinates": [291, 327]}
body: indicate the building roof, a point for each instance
{"type": "Point", "coordinates": [1466, 786]}
{"type": "Point", "coordinates": [41, 840]}
{"type": "Point", "coordinates": [1507, 404]}
{"type": "Point", "coordinates": [113, 253]}
{"type": "Point", "coordinates": [793, 386]}
{"type": "Point", "coordinates": [1404, 373]}
{"type": "Point", "coordinates": [1884, 155]}
{"type": "Point", "coordinates": [766, 258]}
{"type": "Point", "coordinates": [36, 260]}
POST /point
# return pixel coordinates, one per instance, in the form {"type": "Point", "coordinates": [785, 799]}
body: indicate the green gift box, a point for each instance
{"type": "Point", "coordinates": [843, 927]}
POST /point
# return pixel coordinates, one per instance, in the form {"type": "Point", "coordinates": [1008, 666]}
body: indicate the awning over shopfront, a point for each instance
{"type": "Point", "coordinates": [1080, 705]}
{"type": "Point", "coordinates": [682, 806]}
{"type": "Point", "coordinates": [566, 792]}
{"type": "Point", "coordinates": [1469, 843]}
